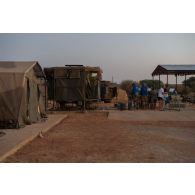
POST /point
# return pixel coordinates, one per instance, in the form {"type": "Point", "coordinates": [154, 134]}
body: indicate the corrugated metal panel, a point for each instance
{"type": "Point", "coordinates": [178, 67]}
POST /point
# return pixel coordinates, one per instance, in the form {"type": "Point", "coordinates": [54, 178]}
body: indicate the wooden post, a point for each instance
{"type": "Point", "coordinates": [176, 81]}
{"type": "Point", "coordinates": [167, 80]}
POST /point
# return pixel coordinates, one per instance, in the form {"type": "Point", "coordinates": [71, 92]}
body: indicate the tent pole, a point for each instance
{"type": "Point", "coordinates": [176, 81]}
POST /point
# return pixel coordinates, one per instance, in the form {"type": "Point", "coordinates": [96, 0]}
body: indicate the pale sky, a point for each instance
{"type": "Point", "coordinates": [123, 56]}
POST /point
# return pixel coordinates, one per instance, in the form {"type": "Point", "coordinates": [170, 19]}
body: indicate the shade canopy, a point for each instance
{"type": "Point", "coordinates": [174, 69]}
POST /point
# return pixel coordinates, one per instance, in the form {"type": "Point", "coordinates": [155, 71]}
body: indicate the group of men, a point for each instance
{"type": "Point", "coordinates": [146, 98]}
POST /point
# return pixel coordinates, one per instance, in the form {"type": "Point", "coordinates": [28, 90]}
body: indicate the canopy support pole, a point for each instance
{"type": "Point", "coordinates": [153, 81]}
{"type": "Point", "coordinates": [176, 81]}
{"type": "Point", "coordinates": [159, 81]}
{"type": "Point", "coordinates": [167, 80]}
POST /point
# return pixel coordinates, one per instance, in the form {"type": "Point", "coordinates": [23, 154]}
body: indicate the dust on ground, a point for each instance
{"type": "Point", "coordinates": [91, 137]}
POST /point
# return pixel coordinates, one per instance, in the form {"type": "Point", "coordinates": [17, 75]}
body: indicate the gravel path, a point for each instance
{"type": "Point", "coordinates": [91, 137]}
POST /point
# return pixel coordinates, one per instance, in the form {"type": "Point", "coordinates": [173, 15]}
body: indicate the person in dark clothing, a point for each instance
{"type": "Point", "coordinates": [152, 98]}
{"type": "Point", "coordinates": [114, 92]}
{"type": "Point", "coordinates": [103, 92]}
{"type": "Point", "coordinates": [144, 96]}
{"type": "Point", "coordinates": [135, 95]}
{"type": "Point", "coordinates": [167, 98]}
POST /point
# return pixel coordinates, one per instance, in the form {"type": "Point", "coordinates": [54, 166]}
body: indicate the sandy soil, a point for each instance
{"type": "Point", "coordinates": [91, 137]}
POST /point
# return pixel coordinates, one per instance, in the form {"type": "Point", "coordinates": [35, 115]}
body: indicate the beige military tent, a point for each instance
{"type": "Point", "coordinates": [22, 93]}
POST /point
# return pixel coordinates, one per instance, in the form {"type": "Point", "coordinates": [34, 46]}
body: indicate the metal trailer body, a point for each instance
{"type": "Point", "coordinates": [75, 84]}
{"type": "Point", "coordinates": [108, 91]}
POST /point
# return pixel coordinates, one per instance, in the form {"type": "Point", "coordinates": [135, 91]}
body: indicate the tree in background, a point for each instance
{"type": "Point", "coordinates": [152, 83]}
{"type": "Point", "coordinates": [126, 85]}
{"type": "Point", "coordinates": [185, 91]}
{"type": "Point", "coordinates": [190, 83]}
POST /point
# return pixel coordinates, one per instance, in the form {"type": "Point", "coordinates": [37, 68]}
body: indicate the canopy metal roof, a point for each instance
{"type": "Point", "coordinates": [174, 69]}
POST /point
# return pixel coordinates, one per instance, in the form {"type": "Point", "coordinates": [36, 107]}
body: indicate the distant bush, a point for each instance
{"type": "Point", "coordinates": [190, 83]}
{"type": "Point", "coordinates": [126, 85]}
{"type": "Point", "coordinates": [186, 91]}
{"type": "Point", "coordinates": [152, 83]}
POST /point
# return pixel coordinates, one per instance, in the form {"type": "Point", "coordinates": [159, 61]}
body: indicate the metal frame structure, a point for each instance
{"type": "Point", "coordinates": [174, 69]}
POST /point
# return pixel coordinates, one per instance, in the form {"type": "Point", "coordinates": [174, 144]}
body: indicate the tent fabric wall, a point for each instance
{"type": "Point", "coordinates": [10, 95]}
{"type": "Point", "coordinates": [21, 94]}
{"type": "Point", "coordinates": [34, 102]}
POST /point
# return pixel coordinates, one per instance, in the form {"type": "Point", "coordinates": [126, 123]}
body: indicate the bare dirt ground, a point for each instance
{"type": "Point", "coordinates": [91, 137]}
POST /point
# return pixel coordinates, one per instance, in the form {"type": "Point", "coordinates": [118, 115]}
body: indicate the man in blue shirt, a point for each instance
{"type": "Point", "coordinates": [135, 89]}
{"type": "Point", "coordinates": [135, 95]}
{"type": "Point", "coordinates": [144, 90]}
